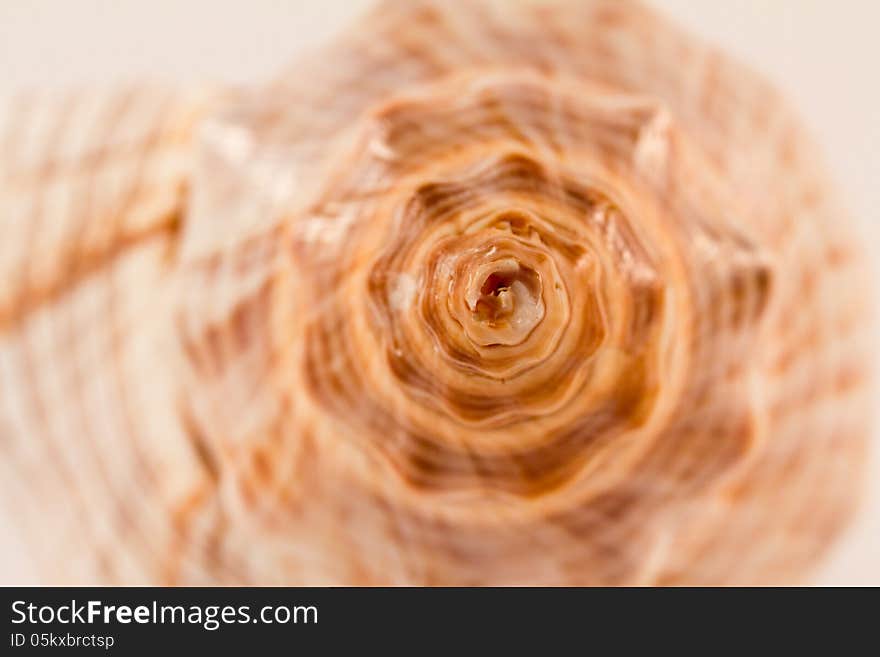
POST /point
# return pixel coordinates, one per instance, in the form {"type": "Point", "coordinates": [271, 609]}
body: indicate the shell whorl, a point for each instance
{"type": "Point", "coordinates": [493, 294]}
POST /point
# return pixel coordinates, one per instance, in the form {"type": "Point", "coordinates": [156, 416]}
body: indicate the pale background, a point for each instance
{"type": "Point", "coordinates": [823, 53]}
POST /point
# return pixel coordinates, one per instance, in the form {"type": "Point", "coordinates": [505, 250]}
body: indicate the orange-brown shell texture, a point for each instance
{"type": "Point", "coordinates": [481, 293]}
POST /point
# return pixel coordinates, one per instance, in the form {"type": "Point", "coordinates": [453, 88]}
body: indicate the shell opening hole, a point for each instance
{"type": "Point", "coordinates": [509, 295]}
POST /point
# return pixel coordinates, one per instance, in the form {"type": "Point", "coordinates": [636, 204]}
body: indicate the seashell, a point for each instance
{"type": "Point", "coordinates": [480, 293]}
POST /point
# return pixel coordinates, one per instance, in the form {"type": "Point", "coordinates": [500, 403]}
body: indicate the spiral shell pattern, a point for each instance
{"type": "Point", "coordinates": [490, 293]}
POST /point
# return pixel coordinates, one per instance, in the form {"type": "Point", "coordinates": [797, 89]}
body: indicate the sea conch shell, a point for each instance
{"type": "Point", "coordinates": [481, 293]}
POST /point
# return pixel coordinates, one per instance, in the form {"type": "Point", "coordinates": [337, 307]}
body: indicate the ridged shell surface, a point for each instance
{"type": "Point", "coordinates": [480, 293]}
